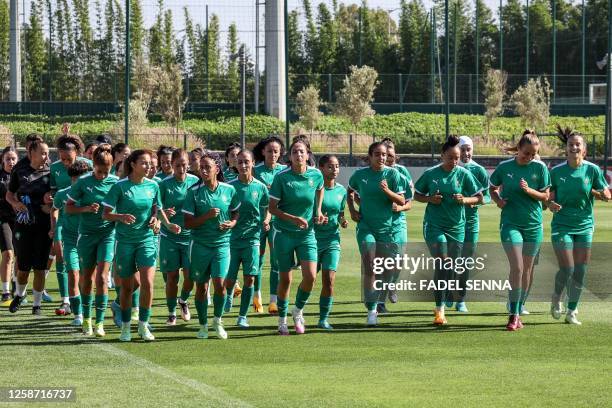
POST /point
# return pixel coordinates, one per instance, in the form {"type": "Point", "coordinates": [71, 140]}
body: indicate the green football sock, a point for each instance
{"type": "Point", "coordinates": [171, 303]}
{"type": "Point", "coordinates": [218, 303]}
{"type": "Point", "coordinates": [136, 298]}
{"type": "Point", "coordinates": [144, 314]}
{"type": "Point", "coordinates": [126, 315]}
{"type": "Point", "coordinates": [202, 308]}
{"type": "Point", "coordinates": [575, 286]}
{"type": "Point", "coordinates": [75, 305]}
{"type": "Point", "coordinates": [325, 305]}
{"type": "Point", "coordinates": [301, 298]}
{"type": "Point", "coordinates": [185, 295]}
{"type": "Point", "coordinates": [101, 304]}
{"type": "Point", "coordinates": [245, 300]}
{"type": "Point", "coordinates": [273, 282]}
{"type": "Point", "coordinates": [257, 283]}
{"type": "Point", "coordinates": [86, 302]}
{"type": "Point", "coordinates": [62, 279]}
{"type": "Point", "coordinates": [561, 279]}
{"type": "Point", "coordinates": [283, 304]}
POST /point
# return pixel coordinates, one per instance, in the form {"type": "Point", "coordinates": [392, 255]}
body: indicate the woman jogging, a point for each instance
{"type": "Point", "coordinates": [519, 186]}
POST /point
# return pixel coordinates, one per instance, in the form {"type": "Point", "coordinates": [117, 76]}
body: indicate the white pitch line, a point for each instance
{"type": "Point", "coordinates": [220, 397]}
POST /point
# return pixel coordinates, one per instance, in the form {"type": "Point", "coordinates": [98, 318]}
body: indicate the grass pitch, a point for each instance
{"type": "Point", "coordinates": [405, 361]}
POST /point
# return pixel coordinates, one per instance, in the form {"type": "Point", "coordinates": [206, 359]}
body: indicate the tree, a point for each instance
{"type": "Point", "coordinates": [233, 66]}
{"type": "Point", "coordinates": [307, 107]}
{"type": "Point", "coordinates": [495, 93]}
{"type": "Point", "coordinates": [155, 36]}
{"type": "Point", "coordinates": [354, 100]}
{"type": "Point", "coordinates": [137, 30]}
{"type": "Point", "coordinates": [35, 52]}
{"type": "Point", "coordinates": [168, 98]}
{"type": "Point", "coordinates": [532, 102]}
{"type": "Point", "coordinates": [213, 55]}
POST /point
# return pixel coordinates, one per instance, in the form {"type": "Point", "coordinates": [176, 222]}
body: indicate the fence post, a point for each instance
{"type": "Point", "coordinates": [330, 88]}
{"type": "Point", "coordinates": [432, 149]}
{"type": "Point", "coordinates": [401, 93]}
{"type": "Point", "coordinates": [184, 140]}
{"type": "Point", "coordinates": [593, 147]}
{"type": "Point", "coordinates": [350, 161]}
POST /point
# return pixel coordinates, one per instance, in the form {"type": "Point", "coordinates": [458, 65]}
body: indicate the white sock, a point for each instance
{"type": "Point", "coordinates": [440, 308]}
{"type": "Point", "coordinates": [282, 320]}
{"type": "Point", "coordinates": [125, 324]}
{"type": "Point", "coordinates": [173, 314]}
{"type": "Point", "coordinates": [79, 317]}
{"type": "Point", "coordinates": [65, 299]}
{"type": "Point", "coordinates": [258, 294]}
{"type": "Point", "coordinates": [37, 297]}
{"type": "Point", "coordinates": [6, 287]}
{"type": "Point", "coordinates": [47, 271]}
{"type": "Point", "coordinates": [372, 312]}
{"type": "Point", "coordinates": [21, 289]}
{"type": "Point", "coordinates": [273, 298]}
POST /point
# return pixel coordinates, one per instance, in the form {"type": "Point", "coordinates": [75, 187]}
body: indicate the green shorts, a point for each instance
{"type": "Point", "coordinates": [566, 240]}
{"type": "Point", "coordinates": [529, 239]}
{"type": "Point", "coordinates": [329, 255]}
{"type": "Point", "coordinates": [130, 256]}
{"type": "Point", "coordinates": [173, 255]}
{"type": "Point", "coordinates": [286, 244]}
{"type": "Point", "coordinates": [385, 244]}
{"type": "Point", "coordinates": [248, 257]}
{"type": "Point", "coordinates": [442, 242]}
{"type": "Point", "coordinates": [70, 251]}
{"type": "Point", "coordinates": [208, 262]}
{"type": "Point", "coordinates": [96, 248]}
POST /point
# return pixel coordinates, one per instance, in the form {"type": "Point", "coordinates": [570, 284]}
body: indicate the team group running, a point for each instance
{"type": "Point", "coordinates": [109, 216]}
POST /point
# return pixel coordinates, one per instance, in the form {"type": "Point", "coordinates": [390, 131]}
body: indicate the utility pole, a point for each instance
{"type": "Point", "coordinates": [128, 62]}
{"type": "Point", "coordinates": [49, 73]}
{"type": "Point", "coordinates": [447, 74]}
{"type": "Point", "coordinates": [15, 53]}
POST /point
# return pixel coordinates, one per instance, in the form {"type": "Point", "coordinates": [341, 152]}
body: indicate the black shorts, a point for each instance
{"type": "Point", "coordinates": [6, 236]}
{"type": "Point", "coordinates": [33, 245]}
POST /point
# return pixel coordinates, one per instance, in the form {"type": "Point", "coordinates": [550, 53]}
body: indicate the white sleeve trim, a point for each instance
{"type": "Point", "coordinates": [187, 212]}
{"type": "Point", "coordinates": [275, 198]}
{"type": "Point", "coordinates": [104, 203]}
{"type": "Point", "coordinates": [237, 207]}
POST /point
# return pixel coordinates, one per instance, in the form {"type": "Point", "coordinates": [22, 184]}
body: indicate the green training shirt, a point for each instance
{"type": "Point", "coordinates": [253, 198]}
{"type": "Point", "coordinates": [448, 215]}
{"type": "Point", "coordinates": [334, 202]}
{"type": "Point", "coordinates": [572, 187]}
{"type": "Point", "coordinates": [69, 222]}
{"type": "Point", "coordinates": [399, 218]}
{"type": "Point", "coordinates": [173, 194]}
{"type": "Point", "coordinates": [265, 174]}
{"type": "Point", "coordinates": [481, 175]}
{"type": "Point", "coordinates": [200, 199]}
{"type": "Point", "coordinates": [86, 191]}
{"type": "Point", "coordinates": [521, 210]}
{"type": "Point", "coordinates": [375, 207]}
{"type": "Point", "coordinates": [59, 177]}
{"type": "Point", "coordinates": [296, 194]}
{"type": "Point", "coordinates": [229, 175]}
{"type": "Point", "coordinates": [127, 197]}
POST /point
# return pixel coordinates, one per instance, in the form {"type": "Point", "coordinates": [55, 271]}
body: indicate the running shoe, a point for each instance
{"type": "Point", "coordinates": [556, 309]}
{"type": "Point", "coordinates": [203, 332]}
{"type": "Point", "coordinates": [257, 306]}
{"type": "Point", "coordinates": [185, 314]}
{"type": "Point", "coordinates": [512, 323]}
{"type": "Point", "coordinates": [15, 304]}
{"type": "Point", "coordinates": [461, 307]}
{"type": "Point", "coordinates": [298, 321]}
{"type": "Point", "coordinates": [116, 309]}
{"type": "Point", "coordinates": [99, 332]}
{"type": "Point", "coordinates": [87, 327]}
{"type": "Point", "coordinates": [126, 335]}
{"type": "Point", "coordinates": [439, 318]}
{"type": "Point", "coordinates": [283, 330]}
{"type": "Point", "coordinates": [372, 318]}
{"type": "Point", "coordinates": [571, 318]}
{"type": "Point", "coordinates": [144, 332]}
{"type": "Point", "coordinates": [242, 322]}
{"type": "Point", "coordinates": [46, 297]}
{"type": "Point", "coordinates": [324, 324]}
{"type": "Point", "coordinates": [381, 308]}
{"type": "Point", "coordinates": [63, 310]}
{"type": "Point", "coordinates": [272, 308]}
{"type": "Point", "coordinates": [171, 320]}
{"type": "Point", "coordinates": [219, 329]}
{"type": "Point", "coordinates": [36, 310]}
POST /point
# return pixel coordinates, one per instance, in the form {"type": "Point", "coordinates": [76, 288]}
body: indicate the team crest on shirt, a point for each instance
{"type": "Point", "coordinates": [587, 181]}
{"type": "Point", "coordinates": [562, 179]}
{"type": "Point", "coordinates": [510, 175]}
{"type": "Point", "coordinates": [534, 177]}
{"type": "Point", "coordinates": [57, 173]}
{"type": "Point", "coordinates": [90, 189]}
{"type": "Point", "coordinates": [311, 183]}
{"type": "Point", "coordinates": [254, 195]}
{"type": "Point", "coordinates": [150, 194]}
{"type": "Point", "coordinates": [224, 198]}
